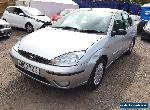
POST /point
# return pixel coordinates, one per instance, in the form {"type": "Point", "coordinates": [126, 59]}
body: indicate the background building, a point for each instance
{"type": "Point", "coordinates": [4, 4]}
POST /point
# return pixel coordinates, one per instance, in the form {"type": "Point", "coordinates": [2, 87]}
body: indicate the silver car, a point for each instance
{"type": "Point", "coordinates": [5, 29]}
{"type": "Point", "coordinates": [77, 49]}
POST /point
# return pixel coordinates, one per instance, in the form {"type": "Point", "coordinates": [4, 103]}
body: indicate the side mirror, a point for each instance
{"type": "Point", "coordinates": [21, 14]}
{"type": "Point", "coordinates": [118, 32]}
{"type": "Point", "coordinates": [121, 32]}
{"type": "Point", "coordinates": [113, 33]}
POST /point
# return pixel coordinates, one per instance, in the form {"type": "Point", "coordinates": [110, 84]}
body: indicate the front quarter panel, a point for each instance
{"type": "Point", "coordinates": [93, 53]}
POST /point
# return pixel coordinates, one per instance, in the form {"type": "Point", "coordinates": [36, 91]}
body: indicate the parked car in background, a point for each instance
{"type": "Point", "coordinates": [27, 18]}
{"type": "Point", "coordinates": [5, 29]}
{"type": "Point", "coordinates": [145, 14]}
{"type": "Point", "coordinates": [137, 21]}
{"type": "Point", "coordinates": [77, 49]}
{"type": "Point", "coordinates": [146, 31]}
{"type": "Point", "coordinates": [54, 18]}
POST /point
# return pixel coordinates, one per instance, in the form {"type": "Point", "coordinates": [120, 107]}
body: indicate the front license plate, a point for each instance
{"type": "Point", "coordinates": [29, 67]}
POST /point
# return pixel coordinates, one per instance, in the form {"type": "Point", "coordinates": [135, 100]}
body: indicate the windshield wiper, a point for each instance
{"type": "Point", "coordinates": [67, 28]}
{"type": "Point", "coordinates": [40, 15]}
{"type": "Point", "coordinates": [91, 31]}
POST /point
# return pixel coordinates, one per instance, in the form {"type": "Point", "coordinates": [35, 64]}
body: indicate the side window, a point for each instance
{"type": "Point", "coordinates": [126, 20]}
{"type": "Point", "coordinates": [17, 11]}
{"type": "Point", "coordinates": [118, 22]}
{"type": "Point", "coordinates": [10, 9]}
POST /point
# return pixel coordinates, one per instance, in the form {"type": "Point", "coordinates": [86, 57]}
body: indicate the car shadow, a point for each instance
{"type": "Point", "coordinates": [29, 94]}
{"type": "Point", "coordinates": [15, 32]}
{"type": "Point", "coordinates": [146, 40]}
{"type": "Point", "coordinates": [19, 29]}
{"type": "Point", "coordinates": [3, 39]}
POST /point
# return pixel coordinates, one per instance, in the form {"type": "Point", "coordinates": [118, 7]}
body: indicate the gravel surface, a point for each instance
{"type": "Point", "coordinates": [126, 80]}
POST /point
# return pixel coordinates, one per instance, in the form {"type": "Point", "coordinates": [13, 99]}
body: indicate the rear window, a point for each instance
{"type": "Point", "coordinates": [10, 9]}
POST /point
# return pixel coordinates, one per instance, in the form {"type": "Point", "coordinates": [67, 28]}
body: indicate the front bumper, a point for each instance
{"type": "Point", "coordinates": [45, 24]}
{"type": "Point", "coordinates": [5, 32]}
{"type": "Point", "coordinates": [60, 77]}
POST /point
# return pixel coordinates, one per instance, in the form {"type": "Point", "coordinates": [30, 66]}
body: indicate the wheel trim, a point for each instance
{"type": "Point", "coordinates": [131, 46]}
{"type": "Point", "coordinates": [98, 73]}
{"type": "Point", "coordinates": [29, 28]}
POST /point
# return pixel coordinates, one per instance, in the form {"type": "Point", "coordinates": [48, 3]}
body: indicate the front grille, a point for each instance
{"type": "Point", "coordinates": [34, 57]}
{"type": "Point", "coordinates": [33, 75]}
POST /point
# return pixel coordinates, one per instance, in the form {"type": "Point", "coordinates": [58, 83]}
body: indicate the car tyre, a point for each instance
{"type": "Point", "coordinates": [142, 37]}
{"type": "Point", "coordinates": [96, 75]}
{"type": "Point", "coordinates": [29, 27]}
{"type": "Point", "coordinates": [129, 51]}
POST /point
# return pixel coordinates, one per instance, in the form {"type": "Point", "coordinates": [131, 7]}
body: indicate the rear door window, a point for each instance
{"type": "Point", "coordinates": [10, 9]}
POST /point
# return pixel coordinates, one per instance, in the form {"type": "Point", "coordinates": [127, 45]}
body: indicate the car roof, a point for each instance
{"type": "Point", "coordinates": [94, 9]}
{"type": "Point", "coordinates": [21, 7]}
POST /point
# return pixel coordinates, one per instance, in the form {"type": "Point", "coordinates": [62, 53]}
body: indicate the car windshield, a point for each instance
{"type": "Point", "coordinates": [33, 12]}
{"type": "Point", "coordinates": [85, 21]}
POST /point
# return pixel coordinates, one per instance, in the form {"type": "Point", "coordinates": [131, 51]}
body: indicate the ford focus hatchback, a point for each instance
{"type": "Point", "coordinates": [77, 49]}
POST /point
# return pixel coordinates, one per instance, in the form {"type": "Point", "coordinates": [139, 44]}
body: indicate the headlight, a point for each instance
{"type": "Point", "coordinates": [6, 26]}
{"type": "Point", "coordinates": [38, 20]}
{"type": "Point", "coordinates": [16, 47]}
{"type": "Point", "coordinates": [68, 59]}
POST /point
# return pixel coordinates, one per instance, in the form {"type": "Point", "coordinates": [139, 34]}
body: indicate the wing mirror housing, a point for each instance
{"type": "Point", "coordinates": [122, 32]}
{"type": "Point", "coordinates": [113, 33]}
{"type": "Point", "coordinates": [119, 32]}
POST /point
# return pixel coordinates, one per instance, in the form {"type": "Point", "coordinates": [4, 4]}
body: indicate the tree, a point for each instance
{"type": "Point", "coordinates": [141, 2]}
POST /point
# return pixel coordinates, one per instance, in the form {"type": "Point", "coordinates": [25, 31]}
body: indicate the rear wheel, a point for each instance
{"type": "Point", "coordinates": [129, 51]}
{"type": "Point", "coordinates": [96, 75]}
{"type": "Point", "coordinates": [29, 27]}
{"type": "Point", "coordinates": [142, 37]}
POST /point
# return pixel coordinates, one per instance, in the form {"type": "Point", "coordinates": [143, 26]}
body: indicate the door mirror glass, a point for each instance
{"type": "Point", "coordinates": [122, 32]}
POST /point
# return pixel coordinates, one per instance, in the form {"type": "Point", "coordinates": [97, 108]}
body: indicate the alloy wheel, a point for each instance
{"type": "Point", "coordinates": [98, 73]}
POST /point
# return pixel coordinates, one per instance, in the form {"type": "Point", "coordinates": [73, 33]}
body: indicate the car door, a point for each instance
{"type": "Point", "coordinates": [19, 18]}
{"type": "Point", "coordinates": [116, 42]}
{"type": "Point", "coordinates": [9, 15]}
{"type": "Point", "coordinates": [131, 30]}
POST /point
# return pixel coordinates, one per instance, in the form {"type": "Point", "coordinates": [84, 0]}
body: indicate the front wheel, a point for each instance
{"type": "Point", "coordinates": [96, 75]}
{"type": "Point", "coordinates": [29, 27]}
{"type": "Point", "coordinates": [129, 51]}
